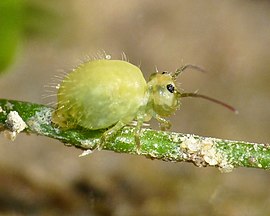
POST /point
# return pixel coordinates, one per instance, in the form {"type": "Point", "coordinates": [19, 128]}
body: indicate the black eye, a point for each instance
{"type": "Point", "coordinates": [170, 88]}
{"type": "Point", "coordinates": [165, 72]}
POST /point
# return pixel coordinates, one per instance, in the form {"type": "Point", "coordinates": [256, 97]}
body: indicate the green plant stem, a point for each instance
{"type": "Point", "coordinates": [167, 146]}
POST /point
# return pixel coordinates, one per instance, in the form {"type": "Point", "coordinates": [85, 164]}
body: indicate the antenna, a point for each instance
{"type": "Point", "coordinates": [181, 69]}
{"type": "Point", "coordinates": [210, 99]}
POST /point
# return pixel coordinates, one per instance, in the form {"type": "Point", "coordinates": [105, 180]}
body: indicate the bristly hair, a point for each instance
{"type": "Point", "coordinates": [50, 89]}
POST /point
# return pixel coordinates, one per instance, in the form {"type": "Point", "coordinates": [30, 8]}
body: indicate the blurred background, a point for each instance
{"type": "Point", "coordinates": [230, 39]}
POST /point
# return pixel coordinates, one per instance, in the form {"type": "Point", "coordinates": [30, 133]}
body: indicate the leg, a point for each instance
{"type": "Point", "coordinates": [137, 134]}
{"type": "Point", "coordinates": [110, 132]}
{"type": "Point", "coordinates": [163, 123]}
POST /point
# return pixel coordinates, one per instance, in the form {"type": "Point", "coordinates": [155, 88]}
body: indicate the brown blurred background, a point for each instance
{"type": "Point", "coordinates": [231, 39]}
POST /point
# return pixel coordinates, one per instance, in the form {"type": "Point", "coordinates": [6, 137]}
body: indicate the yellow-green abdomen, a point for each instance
{"type": "Point", "coordinates": [100, 93]}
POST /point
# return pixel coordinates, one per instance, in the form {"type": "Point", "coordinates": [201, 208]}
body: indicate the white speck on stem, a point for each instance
{"type": "Point", "coordinates": [2, 111]}
{"type": "Point", "coordinates": [9, 105]}
{"type": "Point", "coordinates": [41, 117]}
{"type": "Point", "coordinates": [85, 153]}
{"type": "Point", "coordinates": [15, 125]}
{"type": "Point", "coordinates": [204, 152]}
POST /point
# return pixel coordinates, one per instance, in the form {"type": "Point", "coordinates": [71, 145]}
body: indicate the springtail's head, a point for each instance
{"type": "Point", "coordinates": [165, 97]}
